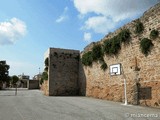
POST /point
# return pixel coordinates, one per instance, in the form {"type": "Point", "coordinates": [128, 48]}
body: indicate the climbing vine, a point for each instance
{"type": "Point", "coordinates": [154, 34]}
{"type": "Point", "coordinates": [87, 58]}
{"type": "Point", "coordinates": [145, 46]}
{"type": "Point", "coordinates": [97, 52]}
{"type": "Point", "coordinates": [109, 47]}
{"type": "Point", "coordinates": [139, 27]}
{"type": "Point", "coordinates": [113, 45]}
{"type": "Point", "coordinates": [124, 36]}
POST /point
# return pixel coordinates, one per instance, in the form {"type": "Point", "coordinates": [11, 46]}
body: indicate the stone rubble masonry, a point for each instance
{"type": "Point", "coordinates": [143, 86]}
{"type": "Point", "coordinates": [67, 76]}
{"type": "Point", "coordinates": [45, 87]}
{"type": "Point", "coordinates": [63, 71]}
{"type": "Point", "coordinates": [33, 84]}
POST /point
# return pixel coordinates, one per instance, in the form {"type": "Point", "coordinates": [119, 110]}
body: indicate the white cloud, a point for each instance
{"type": "Point", "coordinates": [63, 17]}
{"type": "Point", "coordinates": [87, 37]}
{"type": "Point", "coordinates": [11, 31]}
{"type": "Point", "coordinates": [110, 12]}
{"type": "Point", "coordinates": [100, 24]}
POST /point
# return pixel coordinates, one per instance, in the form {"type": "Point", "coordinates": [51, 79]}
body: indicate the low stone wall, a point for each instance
{"type": "Point", "coordinates": [33, 84]}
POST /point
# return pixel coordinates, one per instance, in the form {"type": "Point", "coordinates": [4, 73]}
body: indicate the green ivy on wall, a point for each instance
{"type": "Point", "coordinates": [113, 45]}
{"type": "Point", "coordinates": [87, 58]}
{"type": "Point", "coordinates": [154, 34]}
{"type": "Point", "coordinates": [139, 27]}
{"type": "Point", "coordinates": [97, 52]}
{"type": "Point", "coordinates": [145, 46]}
{"type": "Point", "coordinates": [109, 47]}
{"type": "Point", "coordinates": [124, 36]}
{"type": "Point", "coordinates": [104, 66]}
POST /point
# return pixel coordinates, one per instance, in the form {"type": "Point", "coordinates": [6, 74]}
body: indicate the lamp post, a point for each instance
{"type": "Point", "coordinates": [39, 74]}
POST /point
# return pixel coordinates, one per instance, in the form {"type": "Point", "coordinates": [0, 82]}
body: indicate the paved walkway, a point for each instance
{"type": "Point", "coordinates": [32, 105]}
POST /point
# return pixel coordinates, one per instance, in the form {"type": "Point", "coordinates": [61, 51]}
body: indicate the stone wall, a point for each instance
{"type": "Point", "coordinates": [143, 84]}
{"type": "Point", "coordinates": [63, 71]}
{"type": "Point", "coordinates": [45, 87]}
{"type": "Point", "coordinates": [33, 84]}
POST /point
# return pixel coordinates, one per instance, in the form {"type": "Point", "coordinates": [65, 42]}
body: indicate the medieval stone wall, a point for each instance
{"type": "Point", "coordinates": [143, 84]}
{"type": "Point", "coordinates": [63, 71]}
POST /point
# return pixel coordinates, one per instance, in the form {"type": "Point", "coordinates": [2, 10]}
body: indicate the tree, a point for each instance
{"type": "Point", "coordinates": [4, 71]}
{"type": "Point", "coordinates": [14, 79]}
{"type": "Point", "coordinates": [8, 81]}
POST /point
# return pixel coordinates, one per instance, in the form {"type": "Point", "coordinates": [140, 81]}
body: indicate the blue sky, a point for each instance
{"type": "Point", "coordinates": [29, 27]}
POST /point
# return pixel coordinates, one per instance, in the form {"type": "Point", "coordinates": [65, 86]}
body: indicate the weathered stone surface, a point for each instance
{"type": "Point", "coordinates": [67, 76]}
{"type": "Point", "coordinates": [45, 87]}
{"type": "Point", "coordinates": [142, 73]}
{"type": "Point", "coordinates": [63, 71]}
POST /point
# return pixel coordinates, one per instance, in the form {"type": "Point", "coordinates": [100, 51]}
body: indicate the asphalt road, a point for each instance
{"type": "Point", "coordinates": [33, 105]}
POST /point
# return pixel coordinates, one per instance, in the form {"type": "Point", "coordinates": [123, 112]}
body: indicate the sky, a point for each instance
{"type": "Point", "coordinates": [29, 27]}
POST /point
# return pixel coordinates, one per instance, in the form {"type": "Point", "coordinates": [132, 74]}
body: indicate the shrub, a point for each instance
{"type": "Point", "coordinates": [145, 46]}
{"type": "Point", "coordinates": [46, 69]}
{"type": "Point", "coordinates": [154, 34]}
{"type": "Point", "coordinates": [97, 52]}
{"type": "Point", "coordinates": [124, 36]}
{"type": "Point", "coordinates": [139, 27]}
{"type": "Point", "coordinates": [112, 46]}
{"type": "Point", "coordinates": [45, 76]}
{"type": "Point", "coordinates": [106, 46]}
{"type": "Point", "coordinates": [104, 66]}
{"type": "Point", "coordinates": [46, 62]}
{"type": "Point", "coordinates": [87, 58]}
{"type": "Point", "coordinates": [41, 81]}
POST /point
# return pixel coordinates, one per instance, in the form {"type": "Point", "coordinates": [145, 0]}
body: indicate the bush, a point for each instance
{"type": "Point", "coordinates": [87, 58]}
{"type": "Point", "coordinates": [139, 27]}
{"type": "Point", "coordinates": [104, 66]}
{"type": "Point", "coordinates": [154, 34]}
{"type": "Point", "coordinates": [124, 36]}
{"type": "Point", "coordinates": [41, 81]}
{"type": "Point", "coordinates": [45, 76]}
{"type": "Point", "coordinates": [112, 46]}
{"type": "Point", "coordinates": [106, 46]}
{"type": "Point", "coordinates": [46, 69]}
{"type": "Point", "coordinates": [145, 46]}
{"type": "Point", "coordinates": [46, 62]}
{"type": "Point", "coordinates": [97, 52]}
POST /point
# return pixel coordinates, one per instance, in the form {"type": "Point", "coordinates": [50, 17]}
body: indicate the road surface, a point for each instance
{"type": "Point", "coordinates": [33, 105]}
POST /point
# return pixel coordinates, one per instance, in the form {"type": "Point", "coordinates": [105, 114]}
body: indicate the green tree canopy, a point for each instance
{"type": "Point", "coordinates": [14, 79]}
{"type": "Point", "coordinates": [4, 71]}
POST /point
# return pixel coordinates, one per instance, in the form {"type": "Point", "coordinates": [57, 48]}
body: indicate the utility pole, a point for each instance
{"type": "Point", "coordinates": [39, 74]}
